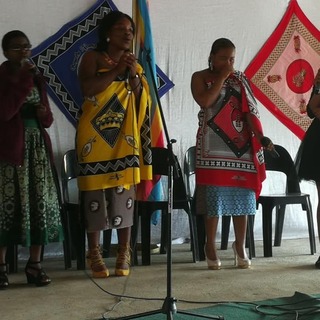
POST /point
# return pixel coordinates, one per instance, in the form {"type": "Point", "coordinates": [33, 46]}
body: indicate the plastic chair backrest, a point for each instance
{"type": "Point", "coordinates": [160, 161]}
{"type": "Point", "coordinates": [179, 187]}
{"type": "Point", "coordinates": [160, 166]}
{"type": "Point", "coordinates": [284, 164]}
{"type": "Point", "coordinates": [69, 171]}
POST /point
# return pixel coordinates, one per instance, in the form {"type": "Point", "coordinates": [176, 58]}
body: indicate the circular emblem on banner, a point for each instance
{"type": "Point", "coordinates": [300, 76]}
{"type": "Point", "coordinates": [116, 221]}
{"type": "Point", "coordinates": [129, 203]}
{"type": "Point", "coordinates": [94, 206]}
{"type": "Point", "coordinates": [119, 189]}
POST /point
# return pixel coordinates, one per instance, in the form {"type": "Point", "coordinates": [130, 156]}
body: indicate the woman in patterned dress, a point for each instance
{"type": "Point", "coordinates": [229, 158]}
{"type": "Point", "coordinates": [308, 155]}
{"type": "Point", "coordinates": [29, 206]}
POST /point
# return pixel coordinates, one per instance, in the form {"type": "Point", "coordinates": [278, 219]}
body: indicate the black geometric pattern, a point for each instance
{"type": "Point", "coordinates": [224, 126]}
{"type": "Point", "coordinates": [145, 135]}
{"type": "Point", "coordinates": [103, 167]}
{"type": "Point", "coordinates": [109, 119]}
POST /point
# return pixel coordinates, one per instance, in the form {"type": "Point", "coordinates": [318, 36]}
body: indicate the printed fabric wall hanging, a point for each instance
{"type": "Point", "coordinates": [283, 71]}
{"type": "Point", "coordinates": [57, 59]}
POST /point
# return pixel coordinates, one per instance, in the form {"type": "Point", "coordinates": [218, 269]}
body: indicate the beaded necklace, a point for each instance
{"type": "Point", "coordinates": [110, 61]}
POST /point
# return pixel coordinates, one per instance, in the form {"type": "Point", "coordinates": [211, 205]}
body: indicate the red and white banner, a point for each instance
{"type": "Point", "coordinates": [283, 71]}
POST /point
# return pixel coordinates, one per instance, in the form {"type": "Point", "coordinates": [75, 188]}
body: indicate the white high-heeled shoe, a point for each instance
{"type": "Point", "coordinates": [212, 264]}
{"type": "Point", "coordinates": [242, 263]}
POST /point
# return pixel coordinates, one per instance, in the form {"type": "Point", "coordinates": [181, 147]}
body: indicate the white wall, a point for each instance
{"type": "Point", "coordinates": [183, 31]}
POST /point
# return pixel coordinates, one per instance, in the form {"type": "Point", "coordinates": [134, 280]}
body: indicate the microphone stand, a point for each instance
{"type": "Point", "coordinates": [169, 307]}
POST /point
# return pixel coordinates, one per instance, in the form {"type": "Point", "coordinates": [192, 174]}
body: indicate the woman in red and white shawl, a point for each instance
{"type": "Point", "coordinates": [229, 158]}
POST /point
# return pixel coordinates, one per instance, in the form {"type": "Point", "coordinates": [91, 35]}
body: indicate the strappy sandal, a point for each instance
{"type": "Point", "coordinates": [96, 263]}
{"type": "Point", "coordinates": [39, 278]}
{"type": "Point", "coordinates": [123, 260]}
{"type": "Point", "coordinates": [4, 282]}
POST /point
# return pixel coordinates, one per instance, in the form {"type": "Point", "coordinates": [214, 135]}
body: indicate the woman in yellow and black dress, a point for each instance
{"type": "Point", "coordinates": [113, 139]}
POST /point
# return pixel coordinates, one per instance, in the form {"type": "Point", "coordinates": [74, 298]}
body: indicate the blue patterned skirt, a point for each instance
{"type": "Point", "coordinates": [225, 201]}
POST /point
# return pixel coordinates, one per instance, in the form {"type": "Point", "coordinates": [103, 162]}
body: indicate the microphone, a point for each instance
{"type": "Point", "coordinates": [265, 141]}
{"type": "Point", "coordinates": [127, 75]}
{"type": "Point", "coordinates": [127, 72]}
{"type": "Point", "coordinates": [32, 67]}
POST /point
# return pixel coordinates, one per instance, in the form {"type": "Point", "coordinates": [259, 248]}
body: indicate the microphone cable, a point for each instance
{"type": "Point", "coordinates": [119, 297]}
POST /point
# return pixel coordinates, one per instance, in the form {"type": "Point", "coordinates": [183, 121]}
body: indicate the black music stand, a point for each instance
{"type": "Point", "coordinates": [169, 307]}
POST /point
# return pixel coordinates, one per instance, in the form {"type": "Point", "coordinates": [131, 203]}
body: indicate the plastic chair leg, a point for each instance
{"type": "Point", "coordinates": [145, 236]}
{"type": "Point", "coordinates": [107, 235]}
{"type": "Point", "coordinates": [77, 236]}
{"type": "Point", "coordinates": [250, 237]}
{"type": "Point", "coordinates": [267, 230]}
{"type": "Point", "coordinates": [312, 239]}
{"type": "Point", "coordinates": [67, 246]}
{"type": "Point", "coordinates": [193, 237]}
{"type": "Point", "coordinates": [225, 230]}
{"type": "Point", "coordinates": [134, 236]}
{"type": "Point", "coordinates": [12, 258]}
{"type": "Point", "coordinates": [81, 250]}
{"type": "Point", "coordinates": [280, 212]}
{"type": "Point", "coordinates": [201, 232]}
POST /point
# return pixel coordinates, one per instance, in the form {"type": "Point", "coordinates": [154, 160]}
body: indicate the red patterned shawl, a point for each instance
{"type": "Point", "coordinates": [228, 154]}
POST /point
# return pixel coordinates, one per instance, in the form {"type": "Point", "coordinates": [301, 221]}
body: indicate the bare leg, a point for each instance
{"type": "Point", "coordinates": [3, 251]}
{"type": "Point", "coordinates": [124, 235]}
{"type": "Point", "coordinates": [318, 208]}
{"type": "Point", "coordinates": [123, 253]}
{"type": "Point", "coordinates": [240, 229]}
{"type": "Point", "coordinates": [34, 259]}
{"type": "Point", "coordinates": [35, 253]}
{"type": "Point", "coordinates": [93, 239]}
{"type": "Point", "coordinates": [317, 264]}
{"type": "Point", "coordinates": [211, 231]}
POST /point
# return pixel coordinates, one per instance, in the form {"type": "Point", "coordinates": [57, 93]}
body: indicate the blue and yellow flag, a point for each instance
{"type": "Point", "coordinates": [144, 51]}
